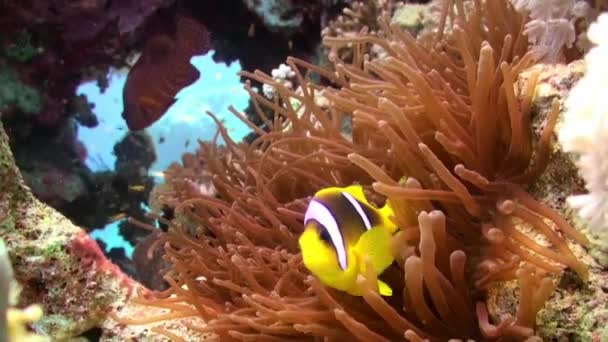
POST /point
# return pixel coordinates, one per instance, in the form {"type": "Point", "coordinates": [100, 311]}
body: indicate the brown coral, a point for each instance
{"type": "Point", "coordinates": [438, 129]}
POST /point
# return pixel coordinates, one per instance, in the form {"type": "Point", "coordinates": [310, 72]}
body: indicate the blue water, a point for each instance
{"type": "Point", "coordinates": [180, 128]}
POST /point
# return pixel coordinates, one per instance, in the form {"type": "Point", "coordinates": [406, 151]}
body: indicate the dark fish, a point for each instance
{"type": "Point", "coordinates": [162, 70]}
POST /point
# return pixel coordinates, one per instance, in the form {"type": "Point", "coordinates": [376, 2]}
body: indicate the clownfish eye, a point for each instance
{"type": "Point", "coordinates": [325, 235]}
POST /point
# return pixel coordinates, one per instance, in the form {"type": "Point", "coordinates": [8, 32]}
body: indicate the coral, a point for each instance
{"type": "Point", "coordinates": [22, 49]}
{"type": "Point", "coordinates": [132, 13]}
{"type": "Point", "coordinates": [53, 45]}
{"type": "Point", "coordinates": [149, 263]}
{"type": "Point", "coordinates": [438, 129]}
{"type": "Point", "coordinates": [83, 111]}
{"type": "Point", "coordinates": [552, 24]}
{"type": "Point", "coordinates": [363, 17]}
{"type": "Point", "coordinates": [413, 17]}
{"type": "Point", "coordinates": [58, 266]}
{"type": "Point", "coordinates": [38, 241]}
{"type": "Point", "coordinates": [557, 24]}
{"type": "Point", "coordinates": [560, 178]}
{"type": "Point", "coordinates": [53, 185]}
{"type": "Point", "coordinates": [357, 17]}
{"type": "Point", "coordinates": [287, 17]}
{"type": "Point", "coordinates": [13, 93]}
{"type": "Point", "coordinates": [134, 156]}
{"type": "Point", "coordinates": [283, 74]}
{"type": "Point", "coordinates": [190, 179]}
{"type": "Point", "coordinates": [51, 162]}
{"type": "Point", "coordinates": [585, 128]}
{"type": "Point", "coordinates": [277, 15]}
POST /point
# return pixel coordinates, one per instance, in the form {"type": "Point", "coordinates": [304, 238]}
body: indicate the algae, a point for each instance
{"type": "Point", "coordinates": [13, 93]}
{"type": "Point", "coordinates": [22, 49]}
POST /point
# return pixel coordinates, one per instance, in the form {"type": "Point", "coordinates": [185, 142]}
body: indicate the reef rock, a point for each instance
{"type": "Point", "coordinates": [577, 311]}
{"type": "Point", "coordinates": [60, 267]}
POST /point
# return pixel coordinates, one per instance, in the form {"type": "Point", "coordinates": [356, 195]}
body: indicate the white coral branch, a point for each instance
{"type": "Point", "coordinates": [585, 129]}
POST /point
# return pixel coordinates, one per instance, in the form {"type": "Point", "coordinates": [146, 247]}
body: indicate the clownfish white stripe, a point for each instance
{"type": "Point", "coordinates": [353, 201]}
{"type": "Point", "coordinates": [319, 212]}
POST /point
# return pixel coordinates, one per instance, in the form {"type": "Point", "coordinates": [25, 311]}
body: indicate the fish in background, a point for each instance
{"type": "Point", "coordinates": [341, 230]}
{"type": "Point", "coordinates": [162, 70]}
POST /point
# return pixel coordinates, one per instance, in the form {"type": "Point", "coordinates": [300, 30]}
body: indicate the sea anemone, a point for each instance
{"type": "Point", "coordinates": [439, 130]}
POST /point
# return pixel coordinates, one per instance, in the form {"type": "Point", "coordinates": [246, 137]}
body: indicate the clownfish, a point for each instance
{"type": "Point", "coordinates": [341, 228]}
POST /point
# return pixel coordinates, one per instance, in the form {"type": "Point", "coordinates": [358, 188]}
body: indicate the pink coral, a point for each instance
{"type": "Point", "coordinates": [91, 257]}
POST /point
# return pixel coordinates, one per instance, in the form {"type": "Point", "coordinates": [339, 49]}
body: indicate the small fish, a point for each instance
{"type": "Point", "coordinates": [157, 174]}
{"type": "Point", "coordinates": [341, 228]}
{"type": "Point", "coordinates": [137, 188]}
{"type": "Point", "coordinates": [117, 217]}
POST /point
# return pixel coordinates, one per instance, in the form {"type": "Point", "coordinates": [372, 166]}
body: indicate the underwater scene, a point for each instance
{"type": "Point", "coordinates": [304, 170]}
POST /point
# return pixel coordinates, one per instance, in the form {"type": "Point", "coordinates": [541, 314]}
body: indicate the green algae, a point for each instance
{"type": "Point", "coordinates": [54, 250]}
{"type": "Point", "coordinates": [411, 17]}
{"type": "Point", "coordinates": [40, 242]}
{"type": "Point", "coordinates": [22, 49]}
{"type": "Point", "coordinates": [7, 224]}
{"type": "Point", "coordinates": [593, 324]}
{"type": "Point", "coordinates": [13, 93]}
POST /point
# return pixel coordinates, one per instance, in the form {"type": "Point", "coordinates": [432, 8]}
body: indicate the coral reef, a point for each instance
{"type": "Point", "coordinates": [362, 17]}
{"type": "Point", "coordinates": [13, 321]}
{"type": "Point", "coordinates": [44, 249]}
{"type": "Point", "coordinates": [552, 28]}
{"type": "Point", "coordinates": [46, 50]}
{"type": "Point", "coordinates": [441, 126]}
{"type": "Point", "coordinates": [451, 126]}
{"type": "Point", "coordinates": [558, 29]}
{"type": "Point", "coordinates": [282, 15]}
{"type": "Point", "coordinates": [61, 268]}
{"type": "Point", "coordinates": [576, 309]}
{"type": "Point", "coordinates": [14, 93]}
{"type": "Point", "coordinates": [53, 46]}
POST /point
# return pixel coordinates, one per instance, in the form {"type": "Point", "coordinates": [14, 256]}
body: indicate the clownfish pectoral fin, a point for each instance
{"type": "Point", "coordinates": [376, 244]}
{"type": "Point", "coordinates": [387, 213]}
{"type": "Point", "coordinates": [384, 289]}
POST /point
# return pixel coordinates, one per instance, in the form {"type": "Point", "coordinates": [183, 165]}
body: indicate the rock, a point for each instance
{"type": "Point", "coordinates": [61, 268]}
{"type": "Point", "coordinates": [576, 311]}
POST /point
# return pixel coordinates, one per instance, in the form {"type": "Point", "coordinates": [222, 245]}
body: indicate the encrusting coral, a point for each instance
{"type": "Point", "coordinates": [437, 128]}
{"type": "Point", "coordinates": [59, 267]}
